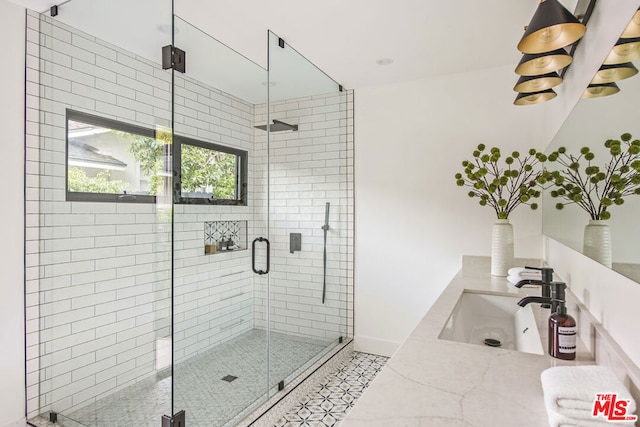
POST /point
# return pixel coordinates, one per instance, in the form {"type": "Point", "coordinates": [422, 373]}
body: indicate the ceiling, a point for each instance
{"type": "Point", "coordinates": [345, 39]}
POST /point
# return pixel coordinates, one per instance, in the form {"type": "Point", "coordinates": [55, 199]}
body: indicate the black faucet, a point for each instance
{"type": "Point", "coordinates": [555, 300]}
{"type": "Point", "coordinates": [544, 282]}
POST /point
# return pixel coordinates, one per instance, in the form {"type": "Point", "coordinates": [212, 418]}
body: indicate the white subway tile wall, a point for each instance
{"type": "Point", "coordinates": [308, 169]}
{"type": "Point", "coordinates": [98, 275]}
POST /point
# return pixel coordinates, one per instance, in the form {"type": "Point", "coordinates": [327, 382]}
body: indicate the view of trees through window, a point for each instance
{"type": "Point", "coordinates": [208, 171]}
{"type": "Point", "coordinates": [105, 160]}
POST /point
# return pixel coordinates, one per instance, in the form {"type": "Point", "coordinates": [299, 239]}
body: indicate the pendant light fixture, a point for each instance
{"type": "Point", "coordinates": [535, 98]}
{"type": "Point", "coordinates": [552, 27]}
{"type": "Point", "coordinates": [625, 50]}
{"type": "Point", "coordinates": [600, 90]}
{"type": "Point", "coordinates": [529, 84]}
{"type": "Point", "coordinates": [633, 29]}
{"type": "Point", "coordinates": [535, 64]}
{"type": "Point", "coordinates": [614, 72]}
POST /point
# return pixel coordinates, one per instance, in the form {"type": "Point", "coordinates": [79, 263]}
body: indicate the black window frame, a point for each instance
{"type": "Point", "coordinates": [178, 141]}
{"type": "Point", "coordinates": [242, 162]}
{"type": "Point", "coordinates": [79, 196]}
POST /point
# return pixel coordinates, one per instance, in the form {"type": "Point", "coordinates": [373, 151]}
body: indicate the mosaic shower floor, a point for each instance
{"type": "Point", "coordinates": [328, 403]}
{"type": "Point", "coordinates": [201, 391]}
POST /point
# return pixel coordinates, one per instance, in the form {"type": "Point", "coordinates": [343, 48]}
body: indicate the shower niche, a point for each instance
{"type": "Point", "coordinates": [127, 322]}
{"type": "Point", "coordinates": [224, 236]}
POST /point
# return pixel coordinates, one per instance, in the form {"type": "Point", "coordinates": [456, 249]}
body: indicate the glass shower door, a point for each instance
{"type": "Point", "coordinates": [219, 342]}
{"type": "Point", "coordinates": [187, 231]}
{"type": "Point", "coordinates": [308, 213]}
{"type": "Point", "coordinates": [98, 190]}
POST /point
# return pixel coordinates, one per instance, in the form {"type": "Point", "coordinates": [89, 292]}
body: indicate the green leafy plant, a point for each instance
{"type": "Point", "coordinates": [150, 153]}
{"type": "Point", "coordinates": [201, 168]}
{"type": "Point", "coordinates": [101, 183]}
{"type": "Point", "coordinates": [502, 185]}
{"type": "Point", "coordinates": [594, 189]}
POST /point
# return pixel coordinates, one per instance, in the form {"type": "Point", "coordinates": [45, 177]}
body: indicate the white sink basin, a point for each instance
{"type": "Point", "coordinates": [494, 320]}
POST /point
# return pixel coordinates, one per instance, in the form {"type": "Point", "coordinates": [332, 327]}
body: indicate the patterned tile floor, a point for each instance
{"type": "Point", "coordinates": [328, 403]}
{"type": "Point", "coordinates": [207, 399]}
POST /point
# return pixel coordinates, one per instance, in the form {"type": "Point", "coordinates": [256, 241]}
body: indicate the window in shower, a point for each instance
{"type": "Point", "coordinates": [113, 161]}
{"type": "Point", "coordinates": [209, 173]}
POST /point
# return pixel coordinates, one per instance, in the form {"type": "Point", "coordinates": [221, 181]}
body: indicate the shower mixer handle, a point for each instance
{"type": "Point", "coordinates": [253, 255]}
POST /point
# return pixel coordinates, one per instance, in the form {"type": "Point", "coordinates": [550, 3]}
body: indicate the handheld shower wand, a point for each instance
{"type": "Point", "coordinates": [325, 227]}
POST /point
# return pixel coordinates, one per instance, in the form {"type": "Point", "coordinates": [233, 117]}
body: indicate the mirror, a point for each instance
{"type": "Point", "coordinates": [591, 123]}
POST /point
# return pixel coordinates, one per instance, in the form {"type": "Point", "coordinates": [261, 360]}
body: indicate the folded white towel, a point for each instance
{"type": "Point", "coordinates": [513, 279]}
{"type": "Point", "coordinates": [570, 391]}
{"type": "Point", "coordinates": [526, 273]}
{"type": "Point", "coordinates": [557, 420]}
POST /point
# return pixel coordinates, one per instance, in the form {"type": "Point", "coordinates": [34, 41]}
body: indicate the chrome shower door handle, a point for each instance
{"type": "Point", "coordinates": [253, 255]}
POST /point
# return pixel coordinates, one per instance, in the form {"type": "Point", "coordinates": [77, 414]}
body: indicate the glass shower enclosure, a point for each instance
{"type": "Point", "coordinates": [189, 220]}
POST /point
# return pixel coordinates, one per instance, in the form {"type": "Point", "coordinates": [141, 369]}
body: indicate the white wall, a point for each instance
{"type": "Point", "coordinates": [308, 168]}
{"type": "Point", "coordinates": [413, 224]}
{"type": "Point", "coordinates": [11, 216]}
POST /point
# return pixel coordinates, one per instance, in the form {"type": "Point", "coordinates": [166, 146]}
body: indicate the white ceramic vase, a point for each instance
{"type": "Point", "coordinates": [597, 241]}
{"type": "Point", "coordinates": [501, 248]}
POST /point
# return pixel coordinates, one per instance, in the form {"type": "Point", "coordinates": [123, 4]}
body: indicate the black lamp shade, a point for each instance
{"type": "Point", "coordinates": [530, 84]}
{"type": "Point", "coordinates": [625, 50]}
{"type": "Point", "coordinates": [614, 72]}
{"type": "Point", "coordinates": [552, 27]}
{"type": "Point", "coordinates": [600, 90]}
{"type": "Point", "coordinates": [633, 28]}
{"type": "Point", "coordinates": [534, 64]}
{"type": "Point", "coordinates": [535, 97]}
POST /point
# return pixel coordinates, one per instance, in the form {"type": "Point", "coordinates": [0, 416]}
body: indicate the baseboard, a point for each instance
{"type": "Point", "coordinates": [375, 346]}
{"type": "Point", "coordinates": [20, 423]}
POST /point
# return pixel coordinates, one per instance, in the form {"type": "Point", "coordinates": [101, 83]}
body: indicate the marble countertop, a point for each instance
{"type": "Point", "coordinates": [433, 382]}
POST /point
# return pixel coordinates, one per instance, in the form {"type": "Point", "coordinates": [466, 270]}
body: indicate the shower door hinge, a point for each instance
{"type": "Point", "coordinates": [178, 420]}
{"type": "Point", "coordinates": [340, 88]}
{"type": "Point", "coordinates": [54, 10]}
{"type": "Point", "coordinates": [175, 58]}
{"type": "Point", "coordinates": [281, 42]}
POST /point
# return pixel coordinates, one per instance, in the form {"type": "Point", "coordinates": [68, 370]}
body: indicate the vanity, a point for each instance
{"type": "Point", "coordinates": [431, 381]}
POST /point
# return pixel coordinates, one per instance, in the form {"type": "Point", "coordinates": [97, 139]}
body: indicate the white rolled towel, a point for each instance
{"type": "Point", "coordinates": [525, 273]}
{"type": "Point", "coordinates": [514, 278]}
{"type": "Point", "coordinates": [570, 391]}
{"type": "Point", "coordinates": [557, 420]}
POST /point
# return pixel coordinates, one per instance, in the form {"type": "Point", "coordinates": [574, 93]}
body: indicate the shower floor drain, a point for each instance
{"type": "Point", "coordinates": [229, 378]}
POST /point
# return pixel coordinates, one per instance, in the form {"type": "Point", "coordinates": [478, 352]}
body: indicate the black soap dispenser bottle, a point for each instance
{"type": "Point", "coordinates": [562, 334]}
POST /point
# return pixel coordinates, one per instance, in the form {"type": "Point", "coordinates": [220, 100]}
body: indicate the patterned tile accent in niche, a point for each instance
{"type": "Point", "coordinates": [329, 402]}
{"type": "Point", "coordinates": [216, 231]}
